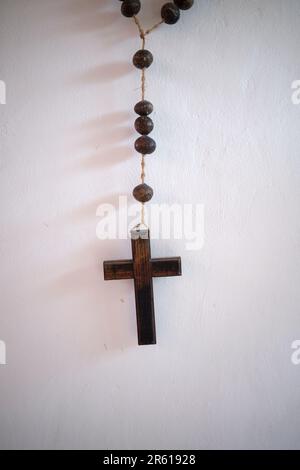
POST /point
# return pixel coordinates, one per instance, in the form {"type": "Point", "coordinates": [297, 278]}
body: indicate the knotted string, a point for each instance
{"type": "Point", "coordinates": [143, 35]}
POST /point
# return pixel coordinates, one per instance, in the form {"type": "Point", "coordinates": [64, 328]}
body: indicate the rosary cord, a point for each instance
{"type": "Point", "coordinates": [143, 163]}
{"type": "Point", "coordinates": [154, 27]}
{"type": "Point", "coordinates": [143, 35]}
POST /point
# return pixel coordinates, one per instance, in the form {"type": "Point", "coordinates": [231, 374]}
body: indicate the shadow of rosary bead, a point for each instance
{"type": "Point", "coordinates": [143, 108]}
{"type": "Point", "coordinates": [144, 125]}
{"type": "Point", "coordinates": [142, 59]}
{"type": "Point", "coordinates": [184, 4]}
{"type": "Point", "coordinates": [145, 145]}
{"type": "Point", "coordinates": [130, 8]}
{"type": "Point", "coordinates": [143, 193]}
{"type": "Point", "coordinates": [170, 13]}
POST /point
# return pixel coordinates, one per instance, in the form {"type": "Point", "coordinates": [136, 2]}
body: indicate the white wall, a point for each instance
{"type": "Point", "coordinates": [228, 137]}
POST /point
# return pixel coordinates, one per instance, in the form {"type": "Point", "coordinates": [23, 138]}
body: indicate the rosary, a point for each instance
{"type": "Point", "coordinates": [142, 268]}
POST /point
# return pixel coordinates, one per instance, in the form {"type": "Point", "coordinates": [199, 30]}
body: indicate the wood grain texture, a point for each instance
{"type": "Point", "coordinates": [123, 269]}
{"type": "Point", "coordinates": [165, 267]}
{"type": "Point", "coordinates": [115, 270]}
{"type": "Point", "coordinates": [143, 108]}
{"type": "Point", "coordinates": [142, 269]}
{"type": "Point", "coordinates": [144, 125]}
{"type": "Point", "coordinates": [143, 193]}
{"type": "Point", "coordinates": [143, 284]}
{"type": "Point", "coordinates": [145, 145]}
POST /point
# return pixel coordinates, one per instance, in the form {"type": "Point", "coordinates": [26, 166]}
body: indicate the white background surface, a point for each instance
{"type": "Point", "coordinates": [228, 137]}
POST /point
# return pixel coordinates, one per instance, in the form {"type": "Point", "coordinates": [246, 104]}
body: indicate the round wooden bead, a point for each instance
{"type": "Point", "coordinates": [184, 4]}
{"type": "Point", "coordinates": [170, 13]}
{"type": "Point", "coordinates": [145, 145]}
{"type": "Point", "coordinates": [143, 108]}
{"type": "Point", "coordinates": [144, 125]}
{"type": "Point", "coordinates": [142, 59]}
{"type": "Point", "coordinates": [143, 193]}
{"type": "Point", "coordinates": [130, 8]}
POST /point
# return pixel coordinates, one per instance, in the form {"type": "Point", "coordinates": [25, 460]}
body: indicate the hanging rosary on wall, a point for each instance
{"type": "Point", "coordinates": [142, 268]}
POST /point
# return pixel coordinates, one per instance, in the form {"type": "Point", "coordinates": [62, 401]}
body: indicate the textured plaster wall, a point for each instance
{"type": "Point", "coordinates": [228, 138]}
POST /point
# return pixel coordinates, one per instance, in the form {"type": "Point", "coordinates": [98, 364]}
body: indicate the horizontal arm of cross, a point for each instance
{"type": "Point", "coordinates": [160, 267]}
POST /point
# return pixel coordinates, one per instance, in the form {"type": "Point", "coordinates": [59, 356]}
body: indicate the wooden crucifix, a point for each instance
{"type": "Point", "coordinates": [142, 268]}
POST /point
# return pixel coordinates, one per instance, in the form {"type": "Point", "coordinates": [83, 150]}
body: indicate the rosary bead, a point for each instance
{"type": "Point", "coordinates": [184, 4]}
{"type": "Point", "coordinates": [170, 13]}
{"type": "Point", "coordinates": [144, 125]}
{"type": "Point", "coordinates": [143, 108]}
{"type": "Point", "coordinates": [130, 8]}
{"type": "Point", "coordinates": [145, 145]}
{"type": "Point", "coordinates": [143, 193]}
{"type": "Point", "coordinates": [142, 59]}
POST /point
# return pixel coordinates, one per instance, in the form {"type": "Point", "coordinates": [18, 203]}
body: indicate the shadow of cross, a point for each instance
{"type": "Point", "coordinates": [142, 268]}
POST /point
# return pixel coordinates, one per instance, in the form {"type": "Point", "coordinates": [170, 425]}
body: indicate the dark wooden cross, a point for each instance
{"type": "Point", "coordinates": [142, 268]}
